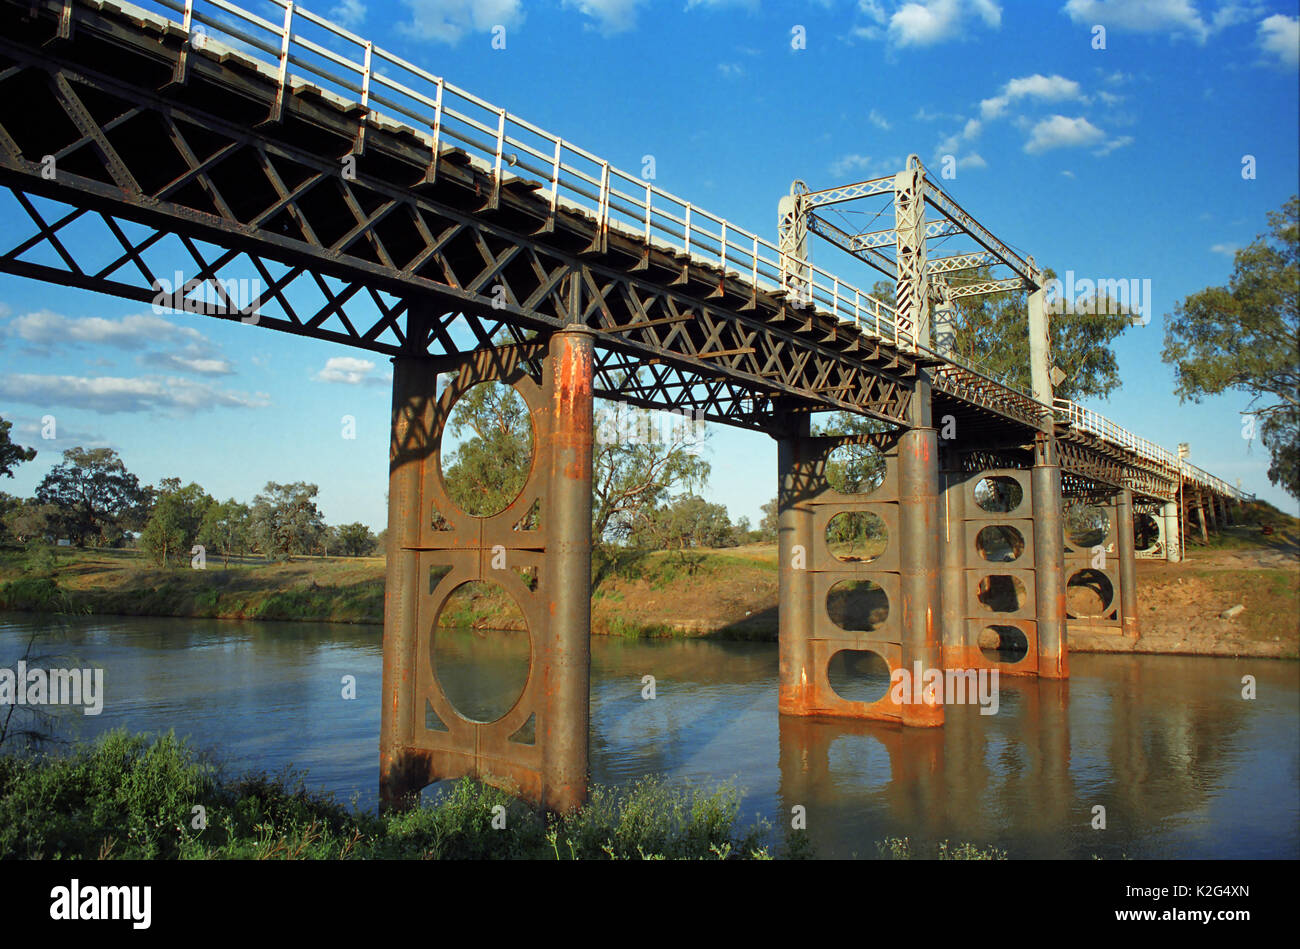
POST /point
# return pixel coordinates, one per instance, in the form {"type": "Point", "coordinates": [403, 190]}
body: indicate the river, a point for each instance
{"type": "Point", "coordinates": [1182, 763]}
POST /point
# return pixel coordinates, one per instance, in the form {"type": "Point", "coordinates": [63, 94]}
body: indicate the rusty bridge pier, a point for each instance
{"type": "Point", "coordinates": [538, 550]}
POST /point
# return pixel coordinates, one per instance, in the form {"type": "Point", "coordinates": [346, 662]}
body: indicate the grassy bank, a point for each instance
{"type": "Point", "coordinates": [133, 797]}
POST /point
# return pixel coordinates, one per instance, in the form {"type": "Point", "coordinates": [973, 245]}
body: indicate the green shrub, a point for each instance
{"type": "Point", "coordinates": [134, 797]}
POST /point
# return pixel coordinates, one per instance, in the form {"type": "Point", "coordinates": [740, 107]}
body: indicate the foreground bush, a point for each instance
{"type": "Point", "coordinates": [134, 797]}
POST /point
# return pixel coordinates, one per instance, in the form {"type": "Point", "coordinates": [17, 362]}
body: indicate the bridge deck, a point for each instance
{"type": "Point", "coordinates": [690, 312]}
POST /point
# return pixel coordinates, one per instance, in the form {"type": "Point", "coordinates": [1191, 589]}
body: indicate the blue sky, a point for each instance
{"type": "Point", "coordinates": [1122, 162]}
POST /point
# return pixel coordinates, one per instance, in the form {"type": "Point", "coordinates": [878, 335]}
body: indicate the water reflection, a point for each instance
{"type": "Point", "coordinates": [1183, 765]}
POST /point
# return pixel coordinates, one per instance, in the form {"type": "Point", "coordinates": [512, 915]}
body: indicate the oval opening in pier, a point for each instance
{"type": "Point", "coordinates": [998, 494]}
{"type": "Point", "coordinates": [1146, 532]}
{"type": "Point", "coordinates": [855, 469]}
{"type": "Point", "coordinates": [481, 651]}
{"type": "Point", "coordinates": [487, 449]}
{"type": "Point", "coordinates": [858, 606]}
{"type": "Point", "coordinates": [1002, 593]}
{"type": "Point", "coordinates": [1089, 593]}
{"type": "Point", "coordinates": [858, 675]}
{"type": "Point", "coordinates": [1086, 526]}
{"type": "Point", "coordinates": [999, 543]}
{"type": "Point", "coordinates": [1003, 643]}
{"type": "Point", "coordinates": [856, 536]}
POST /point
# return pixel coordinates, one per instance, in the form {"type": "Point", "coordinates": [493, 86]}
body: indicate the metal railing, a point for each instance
{"type": "Point", "coordinates": [1097, 424]}
{"type": "Point", "coordinates": [293, 48]}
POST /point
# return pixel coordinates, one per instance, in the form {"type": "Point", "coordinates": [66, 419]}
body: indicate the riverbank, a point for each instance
{"type": "Point", "coordinates": [725, 594]}
{"type": "Point", "coordinates": [132, 797]}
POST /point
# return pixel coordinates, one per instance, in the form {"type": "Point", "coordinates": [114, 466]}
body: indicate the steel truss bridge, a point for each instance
{"type": "Point", "coordinates": [370, 203]}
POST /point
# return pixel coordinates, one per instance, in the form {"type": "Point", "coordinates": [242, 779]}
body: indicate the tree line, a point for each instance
{"type": "Point", "coordinates": [91, 499]}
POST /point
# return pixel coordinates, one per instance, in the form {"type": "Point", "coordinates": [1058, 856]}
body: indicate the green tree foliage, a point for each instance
{"type": "Point", "coordinates": [490, 466]}
{"type": "Point", "coordinates": [286, 520]}
{"type": "Point", "coordinates": [992, 333]}
{"type": "Point", "coordinates": [1246, 337]}
{"type": "Point", "coordinates": [633, 475]}
{"type": "Point", "coordinates": [227, 529]}
{"type": "Point", "coordinates": [356, 540]}
{"type": "Point", "coordinates": [96, 497]}
{"type": "Point", "coordinates": [768, 525]}
{"type": "Point", "coordinates": [26, 519]}
{"type": "Point", "coordinates": [687, 521]}
{"type": "Point", "coordinates": [11, 455]}
{"type": "Point", "coordinates": [173, 525]}
{"type": "Point", "coordinates": [634, 467]}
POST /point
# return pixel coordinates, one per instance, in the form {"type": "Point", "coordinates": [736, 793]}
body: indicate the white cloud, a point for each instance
{"type": "Point", "coordinates": [849, 163]}
{"type": "Point", "coordinates": [348, 12]}
{"type": "Point", "coordinates": [973, 160]}
{"type": "Point", "coordinates": [1067, 173]}
{"type": "Point", "coordinates": [611, 16]}
{"type": "Point", "coordinates": [45, 328]}
{"type": "Point", "coordinates": [1280, 37]}
{"type": "Point", "coordinates": [1228, 250]}
{"type": "Point", "coordinates": [731, 70]}
{"type": "Point", "coordinates": [1043, 88]}
{"type": "Point", "coordinates": [112, 394]}
{"type": "Point", "coordinates": [1061, 132]}
{"type": "Point", "coordinates": [1176, 17]}
{"type": "Point", "coordinates": [188, 362]}
{"type": "Point", "coordinates": [927, 22]}
{"type": "Point", "coordinates": [878, 120]}
{"type": "Point", "coordinates": [1113, 144]}
{"type": "Point", "coordinates": [449, 20]}
{"type": "Point", "coordinates": [873, 11]}
{"type": "Point", "coordinates": [32, 435]}
{"type": "Point", "coordinates": [347, 369]}
{"type": "Point", "coordinates": [190, 350]}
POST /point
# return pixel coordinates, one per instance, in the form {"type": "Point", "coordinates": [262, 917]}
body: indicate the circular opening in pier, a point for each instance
{"type": "Point", "coordinates": [1146, 532]}
{"type": "Point", "coordinates": [1003, 643]}
{"type": "Point", "coordinates": [858, 675]}
{"type": "Point", "coordinates": [1088, 593]}
{"type": "Point", "coordinates": [481, 651]}
{"type": "Point", "coordinates": [490, 437]}
{"type": "Point", "coordinates": [1086, 525]}
{"type": "Point", "coordinates": [1000, 543]}
{"type": "Point", "coordinates": [998, 495]}
{"type": "Point", "coordinates": [1002, 593]}
{"type": "Point", "coordinates": [858, 606]}
{"type": "Point", "coordinates": [856, 536]}
{"type": "Point", "coordinates": [855, 469]}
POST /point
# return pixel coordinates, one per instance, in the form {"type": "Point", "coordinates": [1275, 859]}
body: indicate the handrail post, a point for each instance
{"type": "Point", "coordinates": [282, 71]}
{"type": "Point", "coordinates": [431, 175]}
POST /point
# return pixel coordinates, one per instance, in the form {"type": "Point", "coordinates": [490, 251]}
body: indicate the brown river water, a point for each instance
{"type": "Point", "coordinates": [1183, 764]}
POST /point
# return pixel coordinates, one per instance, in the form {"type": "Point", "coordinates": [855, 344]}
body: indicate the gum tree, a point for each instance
{"type": "Point", "coordinates": [1245, 337]}
{"type": "Point", "coordinates": [11, 455]}
{"type": "Point", "coordinates": [97, 498]}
